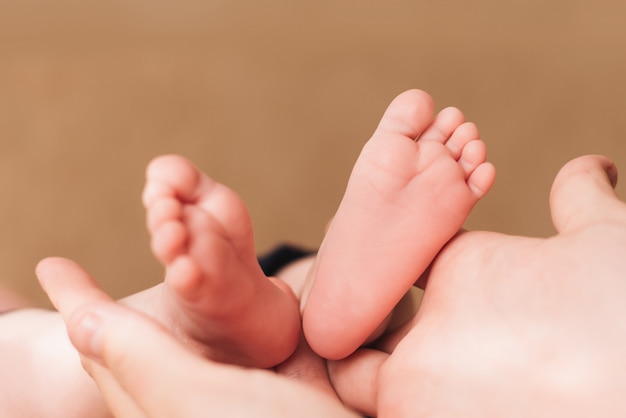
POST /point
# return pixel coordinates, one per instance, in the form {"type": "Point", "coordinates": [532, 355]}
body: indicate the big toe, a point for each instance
{"type": "Point", "coordinates": [408, 115]}
{"type": "Point", "coordinates": [583, 194]}
{"type": "Point", "coordinates": [172, 176]}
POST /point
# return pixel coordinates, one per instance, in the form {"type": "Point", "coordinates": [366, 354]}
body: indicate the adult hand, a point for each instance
{"type": "Point", "coordinates": [144, 372]}
{"type": "Point", "coordinates": [514, 326]}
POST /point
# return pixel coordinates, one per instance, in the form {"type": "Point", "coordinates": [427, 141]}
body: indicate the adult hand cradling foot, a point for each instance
{"type": "Point", "coordinates": [143, 371]}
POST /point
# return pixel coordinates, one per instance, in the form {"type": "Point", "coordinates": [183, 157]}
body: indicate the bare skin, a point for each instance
{"type": "Point", "coordinates": [144, 371]}
{"type": "Point", "coordinates": [215, 295]}
{"type": "Point", "coordinates": [507, 323]}
{"type": "Point", "coordinates": [405, 199]}
{"type": "Point", "coordinates": [508, 326]}
{"type": "Point", "coordinates": [215, 299]}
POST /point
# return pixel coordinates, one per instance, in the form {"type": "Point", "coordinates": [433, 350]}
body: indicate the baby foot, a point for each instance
{"type": "Point", "coordinates": [411, 190]}
{"type": "Point", "coordinates": [215, 295]}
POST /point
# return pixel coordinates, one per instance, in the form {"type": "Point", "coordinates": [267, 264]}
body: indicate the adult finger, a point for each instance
{"type": "Point", "coordinates": [142, 357]}
{"type": "Point", "coordinates": [71, 289]}
{"type": "Point", "coordinates": [119, 402]}
{"type": "Point", "coordinates": [67, 285]}
{"type": "Point", "coordinates": [156, 372]}
{"type": "Point", "coordinates": [166, 380]}
{"type": "Point", "coordinates": [122, 362]}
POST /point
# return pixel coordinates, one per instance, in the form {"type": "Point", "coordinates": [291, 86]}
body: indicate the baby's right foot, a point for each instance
{"type": "Point", "coordinates": [215, 295]}
{"type": "Point", "coordinates": [405, 199]}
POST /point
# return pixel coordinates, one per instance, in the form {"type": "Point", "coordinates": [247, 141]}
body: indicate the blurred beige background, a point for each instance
{"type": "Point", "coordinates": [275, 99]}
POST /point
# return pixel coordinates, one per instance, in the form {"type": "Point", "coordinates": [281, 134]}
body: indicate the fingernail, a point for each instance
{"type": "Point", "coordinates": [86, 334]}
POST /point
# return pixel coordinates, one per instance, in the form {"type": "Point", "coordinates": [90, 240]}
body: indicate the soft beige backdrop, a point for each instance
{"type": "Point", "coordinates": [276, 98]}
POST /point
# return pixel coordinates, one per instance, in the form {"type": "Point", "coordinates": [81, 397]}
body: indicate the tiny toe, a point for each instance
{"type": "Point", "coordinates": [169, 241]}
{"type": "Point", "coordinates": [473, 154]}
{"type": "Point", "coordinates": [155, 190]}
{"type": "Point", "coordinates": [465, 133]}
{"type": "Point", "coordinates": [68, 285]}
{"type": "Point", "coordinates": [178, 173]}
{"type": "Point", "coordinates": [583, 194]}
{"type": "Point", "coordinates": [443, 125]}
{"type": "Point", "coordinates": [481, 179]}
{"type": "Point", "coordinates": [161, 211]}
